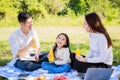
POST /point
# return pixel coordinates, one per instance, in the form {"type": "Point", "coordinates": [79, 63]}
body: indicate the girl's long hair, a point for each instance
{"type": "Point", "coordinates": [65, 46]}
{"type": "Point", "coordinates": [96, 25]}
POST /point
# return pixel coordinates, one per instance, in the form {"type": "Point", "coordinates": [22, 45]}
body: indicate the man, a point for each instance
{"type": "Point", "coordinates": [25, 45]}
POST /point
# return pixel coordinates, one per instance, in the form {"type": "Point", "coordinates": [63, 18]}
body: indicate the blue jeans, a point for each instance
{"type": "Point", "coordinates": [31, 65]}
{"type": "Point", "coordinates": [53, 68]}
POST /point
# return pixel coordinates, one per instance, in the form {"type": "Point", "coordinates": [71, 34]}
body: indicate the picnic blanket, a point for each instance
{"type": "Point", "coordinates": [12, 73]}
{"type": "Point", "coordinates": [115, 73]}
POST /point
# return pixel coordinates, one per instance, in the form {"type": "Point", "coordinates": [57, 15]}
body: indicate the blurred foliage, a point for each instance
{"type": "Point", "coordinates": [78, 6]}
{"type": "Point", "coordinates": [40, 9]}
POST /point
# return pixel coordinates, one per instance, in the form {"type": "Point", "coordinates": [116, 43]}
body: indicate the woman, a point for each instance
{"type": "Point", "coordinates": [100, 54]}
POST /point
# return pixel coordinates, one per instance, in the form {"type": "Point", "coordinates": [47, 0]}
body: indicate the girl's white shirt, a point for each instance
{"type": "Point", "coordinates": [62, 56]}
{"type": "Point", "coordinates": [99, 51]}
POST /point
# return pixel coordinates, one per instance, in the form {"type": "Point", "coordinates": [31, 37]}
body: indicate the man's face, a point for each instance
{"type": "Point", "coordinates": [27, 26]}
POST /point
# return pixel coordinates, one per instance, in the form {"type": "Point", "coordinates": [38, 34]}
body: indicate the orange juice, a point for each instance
{"type": "Point", "coordinates": [51, 56]}
{"type": "Point", "coordinates": [34, 46]}
{"type": "Point", "coordinates": [77, 52]}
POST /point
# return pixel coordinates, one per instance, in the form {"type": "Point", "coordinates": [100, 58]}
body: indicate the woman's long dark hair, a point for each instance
{"type": "Point", "coordinates": [96, 25]}
{"type": "Point", "coordinates": [65, 46]}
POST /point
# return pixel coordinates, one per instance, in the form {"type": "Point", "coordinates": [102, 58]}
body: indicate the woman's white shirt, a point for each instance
{"type": "Point", "coordinates": [99, 51]}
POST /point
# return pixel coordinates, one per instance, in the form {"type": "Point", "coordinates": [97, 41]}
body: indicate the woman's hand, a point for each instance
{"type": "Point", "coordinates": [80, 58]}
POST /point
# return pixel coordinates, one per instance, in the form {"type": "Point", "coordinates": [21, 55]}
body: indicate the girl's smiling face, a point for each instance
{"type": "Point", "coordinates": [61, 41]}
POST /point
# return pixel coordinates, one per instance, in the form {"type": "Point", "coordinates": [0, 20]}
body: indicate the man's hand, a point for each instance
{"type": "Point", "coordinates": [32, 43]}
{"type": "Point", "coordinates": [37, 58]}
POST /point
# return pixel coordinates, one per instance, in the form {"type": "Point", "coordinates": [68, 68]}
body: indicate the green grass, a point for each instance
{"type": "Point", "coordinates": [47, 36]}
{"type": "Point", "coordinates": [50, 20]}
{"type": "Point", "coordinates": [60, 21]}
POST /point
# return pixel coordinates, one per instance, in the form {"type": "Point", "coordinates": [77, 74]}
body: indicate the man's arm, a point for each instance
{"type": "Point", "coordinates": [25, 49]}
{"type": "Point", "coordinates": [15, 46]}
{"type": "Point", "coordinates": [22, 51]}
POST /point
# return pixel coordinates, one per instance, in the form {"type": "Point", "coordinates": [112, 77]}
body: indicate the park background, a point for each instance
{"type": "Point", "coordinates": [52, 17]}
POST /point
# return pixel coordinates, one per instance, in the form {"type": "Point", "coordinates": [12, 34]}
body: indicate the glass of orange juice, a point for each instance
{"type": "Point", "coordinates": [77, 52]}
{"type": "Point", "coordinates": [51, 55]}
{"type": "Point", "coordinates": [34, 46]}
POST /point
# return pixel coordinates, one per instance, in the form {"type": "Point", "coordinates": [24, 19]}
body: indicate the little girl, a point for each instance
{"type": "Point", "coordinates": [61, 56]}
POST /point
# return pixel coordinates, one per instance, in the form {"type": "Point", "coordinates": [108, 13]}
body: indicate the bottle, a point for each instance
{"type": "Point", "coordinates": [77, 50]}
{"type": "Point", "coordinates": [51, 56]}
{"type": "Point", "coordinates": [34, 46]}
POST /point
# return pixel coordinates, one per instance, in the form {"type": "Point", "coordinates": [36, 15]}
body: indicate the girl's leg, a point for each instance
{"type": "Point", "coordinates": [47, 65]}
{"type": "Point", "coordinates": [61, 68]}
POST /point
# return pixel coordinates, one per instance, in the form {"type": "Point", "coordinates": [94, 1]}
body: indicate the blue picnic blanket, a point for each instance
{"type": "Point", "coordinates": [12, 73]}
{"type": "Point", "coordinates": [115, 73]}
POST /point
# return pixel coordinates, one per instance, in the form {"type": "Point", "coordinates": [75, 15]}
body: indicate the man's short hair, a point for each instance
{"type": "Point", "coordinates": [23, 16]}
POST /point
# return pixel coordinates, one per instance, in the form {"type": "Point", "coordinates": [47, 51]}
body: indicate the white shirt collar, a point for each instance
{"type": "Point", "coordinates": [22, 34]}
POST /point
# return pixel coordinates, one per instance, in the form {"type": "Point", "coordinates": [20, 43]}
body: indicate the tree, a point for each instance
{"type": "Point", "coordinates": [78, 6]}
{"type": "Point", "coordinates": [7, 9]}
{"type": "Point", "coordinates": [103, 8]}
{"type": "Point", "coordinates": [55, 6]}
{"type": "Point", "coordinates": [36, 7]}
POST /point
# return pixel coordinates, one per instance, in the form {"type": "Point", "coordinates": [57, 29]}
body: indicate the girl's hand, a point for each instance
{"type": "Point", "coordinates": [80, 58]}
